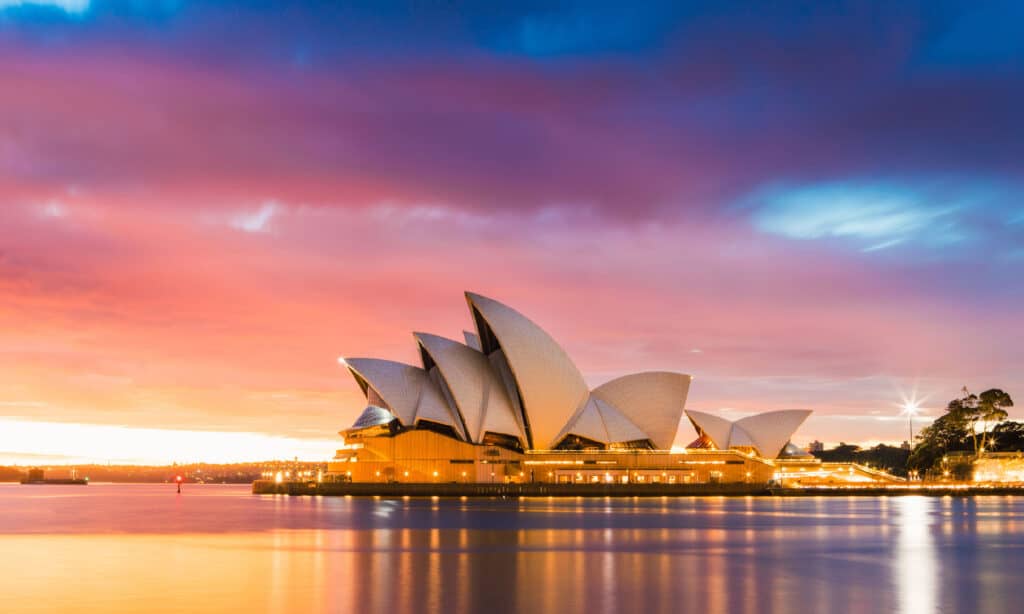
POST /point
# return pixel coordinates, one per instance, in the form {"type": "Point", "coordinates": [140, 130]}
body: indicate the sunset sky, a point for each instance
{"type": "Point", "coordinates": [204, 204]}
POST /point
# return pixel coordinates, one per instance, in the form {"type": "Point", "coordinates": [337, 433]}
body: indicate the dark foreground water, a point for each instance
{"type": "Point", "coordinates": [142, 548]}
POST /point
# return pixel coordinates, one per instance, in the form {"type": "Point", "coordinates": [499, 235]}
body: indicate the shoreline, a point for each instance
{"type": "Point", "coordinates": [406, 489]}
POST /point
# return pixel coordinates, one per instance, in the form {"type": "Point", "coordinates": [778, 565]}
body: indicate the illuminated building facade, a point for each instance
{"type": "Point", "coordinates": [999, 467]}
{"type": "Point", "coordinates": [508, 405]}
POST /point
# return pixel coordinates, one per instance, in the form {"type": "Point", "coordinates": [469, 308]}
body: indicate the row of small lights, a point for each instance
{"type": "Point", "coordinates": [579, 476]}
{"type": "Point", "coordinates": [910, 408]}
{"type": "Point", "coordinates": [281, 476]}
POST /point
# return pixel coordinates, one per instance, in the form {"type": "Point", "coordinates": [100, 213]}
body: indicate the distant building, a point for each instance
{"type": "Point", "coordinates": [815, 446]}
{"type": "Point", "coordinates": [999, 467]}
{"type": "Point", "coordinates": [905, 445]}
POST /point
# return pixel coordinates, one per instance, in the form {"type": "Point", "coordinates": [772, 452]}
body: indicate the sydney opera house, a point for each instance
{"type": "Point", "coordinates": [508, 405]}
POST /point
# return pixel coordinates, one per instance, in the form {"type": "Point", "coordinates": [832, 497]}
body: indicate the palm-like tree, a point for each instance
{"type": "Point", "coordinates": [991, 408]}
{"type": "Point", "coordinates": [965, 411]}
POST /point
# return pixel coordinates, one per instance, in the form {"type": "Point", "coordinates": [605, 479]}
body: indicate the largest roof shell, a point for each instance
{"type": "Point", "coordinates": [550, 386]}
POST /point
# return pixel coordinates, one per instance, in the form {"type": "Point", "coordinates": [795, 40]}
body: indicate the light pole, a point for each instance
{"type": "Point", "coordinates": [911, 409]}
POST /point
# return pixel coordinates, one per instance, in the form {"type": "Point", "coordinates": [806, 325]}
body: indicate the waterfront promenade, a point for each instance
{"type": "Point", "coordinates": [394, 489]}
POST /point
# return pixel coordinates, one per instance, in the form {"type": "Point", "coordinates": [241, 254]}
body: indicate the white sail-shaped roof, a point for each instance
{"type": "Point", "coordinates": [407, 390]}
{"type": "Point", "coordinates": [739, 438]}
{"type": "Point", "coordinates": [471, 339]}
{"type": "Point", "coordinates": [588, 424]}
{"type": "Point", "coordinates": [771, 430]}
{"type": "Point", "coordinates": [653, 401]}
{"type": "Point", "coordinates": [511, 378]}
{"type": "Point", "coordinates": [768, 433]}
{"type": "Point", "coordinates": [603, 423]}
{"type": "Point", "coordinates": [396, 383]}
{"type": "Point", "coordinates": [372, 416]}
{"type": "Point", "coordinates": [551, 387]}
{"type": "Point", "coordinates": [476, 389]}
{"type": "Point", "coordinates": [620, 427]}
{"type": "Point", "coordinates": [717, 429]}
{"type": "Point", "coordinates": [433, 407]}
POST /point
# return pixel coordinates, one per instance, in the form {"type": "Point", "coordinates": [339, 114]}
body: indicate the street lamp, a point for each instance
{"type": "Point", "coordinates": [911, 409]}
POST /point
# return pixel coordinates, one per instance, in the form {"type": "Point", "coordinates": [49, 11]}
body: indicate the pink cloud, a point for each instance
{"type": "Point", "coordinates": [151, 300]}
{"type": "Point", "coordinates": [485, 136]}
{"type": "Point", "coordinates": [150, 317]}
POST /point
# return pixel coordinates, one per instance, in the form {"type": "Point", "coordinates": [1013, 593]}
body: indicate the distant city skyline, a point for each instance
{"type": "Point", "coordinates": [204, 205]}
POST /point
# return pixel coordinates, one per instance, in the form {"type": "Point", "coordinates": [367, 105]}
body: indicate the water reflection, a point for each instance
{"type": "Point", "coordinates": [137, 548]}
{"type": "Point", "coordinates": [916, 567]}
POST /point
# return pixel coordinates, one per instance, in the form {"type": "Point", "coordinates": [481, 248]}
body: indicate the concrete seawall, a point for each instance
{"type": "Point", "coordinates": [404, 489]}
{"type": "Point", "coordinates": [936, 490]}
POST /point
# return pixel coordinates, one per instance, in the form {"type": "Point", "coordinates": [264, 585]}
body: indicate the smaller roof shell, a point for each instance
{"type": "Point", "coordinates": [599, 421]}
{"type": "Point", "coordinates": [652, 400]}
{"type": "Point", "coordinates": [408, 391]}
{"type": "Point", "coordinates": [767, 432]}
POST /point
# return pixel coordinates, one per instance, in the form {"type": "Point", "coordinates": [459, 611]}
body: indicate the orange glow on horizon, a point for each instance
{"type": "Point", "coordinates": [25, 442]}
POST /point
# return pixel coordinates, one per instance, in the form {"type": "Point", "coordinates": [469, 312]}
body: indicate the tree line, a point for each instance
{"type": "Point", "coordinates": [891, 459]}
{"type": "Point", "coordinates": [972, 424]}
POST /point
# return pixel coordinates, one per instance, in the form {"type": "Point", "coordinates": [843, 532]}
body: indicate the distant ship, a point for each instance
{"type": "Point", "coordinates": [35, 476]}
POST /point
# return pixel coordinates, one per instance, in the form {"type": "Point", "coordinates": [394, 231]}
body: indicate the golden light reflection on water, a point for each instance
{"type": "Point", "coordinates": [122, 550]}
{"type": "Point", "coordinates": [915, 562]}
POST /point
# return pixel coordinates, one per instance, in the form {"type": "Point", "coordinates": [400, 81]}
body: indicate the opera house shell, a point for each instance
{"type": "Point", "coordinates": [765, 434]}
{"type": "Point", "coordinates": [507, 403]}
{"type": "Point", "coordinates": [511, 384]}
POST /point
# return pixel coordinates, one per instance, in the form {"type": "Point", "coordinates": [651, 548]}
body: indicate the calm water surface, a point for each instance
{"type": "Point", "coordinates": [142, 548]}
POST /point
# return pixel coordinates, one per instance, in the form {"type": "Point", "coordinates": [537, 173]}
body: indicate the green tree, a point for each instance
{"type": "Point", "coordinates": [964, 411]}
{"type": "Point", "coordinates": [1008, 436]}
{"type": "Point", "coordinates": [948, 433]}
{"type": "Point", "coordinates": [843, 453]}
{"type": "Point", "coordinates": [991, 408]}
{"type": "Point", "coordinates": [888, 458]}
{"type": "Point", "coordinates": [958, 429]}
